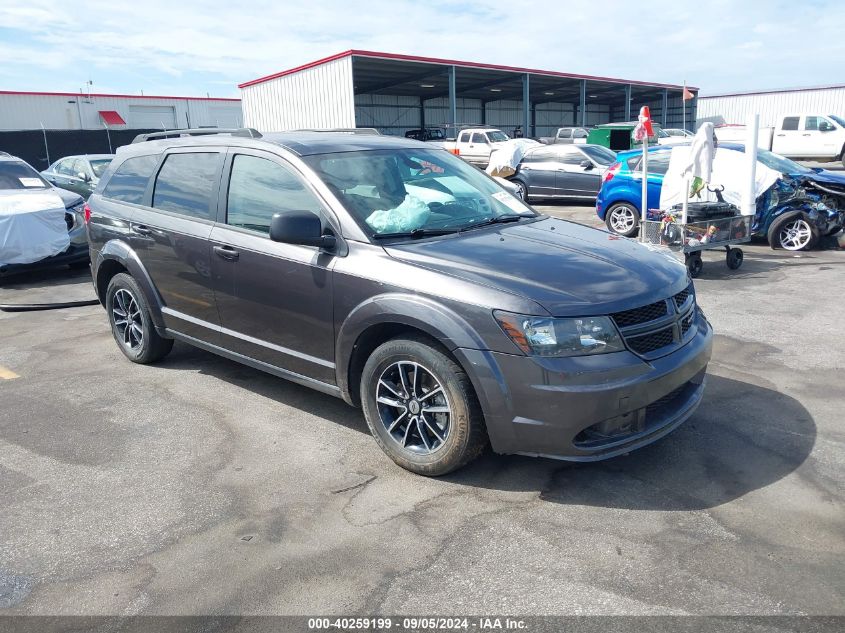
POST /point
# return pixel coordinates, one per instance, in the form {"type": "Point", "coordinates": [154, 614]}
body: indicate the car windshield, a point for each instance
{"type": "Point", "coordinates": [661, 133]}
{"type": "Point", "coordinates": [599, 155]}
{"type": "Point", "coordinates": [496, 136]}
{"type": "Point", "coordinates": [19, 175]}
{"type": "Point", "coordinates": [99, 165]}
{"type": "Point", "coordinates": [405, 191]}
{"type": "Point", "coordinates": [838, 119]}
{"type": "Point", "coordinates": [780, 163]}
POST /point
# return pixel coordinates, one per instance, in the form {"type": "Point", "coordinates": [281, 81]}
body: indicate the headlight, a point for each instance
{"type": "Point", "coordinates": [545, 336]}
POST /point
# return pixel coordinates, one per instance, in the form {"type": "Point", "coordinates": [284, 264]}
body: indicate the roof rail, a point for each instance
{"type": "Point", "coordinates": [367, 131]}
{"type": "Point", "coordinates": [201, 131]}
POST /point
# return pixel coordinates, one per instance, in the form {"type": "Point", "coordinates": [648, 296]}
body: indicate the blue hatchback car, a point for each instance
{"type": "Point", "coordinates": [801, 206]}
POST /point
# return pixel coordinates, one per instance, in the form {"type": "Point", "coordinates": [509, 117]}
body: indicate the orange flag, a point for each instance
{"type": "Point", "coordinates": [687, 94]}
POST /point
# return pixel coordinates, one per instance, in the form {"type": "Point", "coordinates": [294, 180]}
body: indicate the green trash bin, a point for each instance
{"type": "Point", "coordinates": [618, 136]}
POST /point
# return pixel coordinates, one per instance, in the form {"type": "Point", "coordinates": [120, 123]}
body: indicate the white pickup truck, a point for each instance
{"type": "Point", "coordinates": [817, 137]}
{"type": "Point", "coordinates": [475, 145]}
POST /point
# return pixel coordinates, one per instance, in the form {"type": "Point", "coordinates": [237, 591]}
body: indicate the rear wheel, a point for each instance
{"type": "Point", "coordinates": [421, 408]}
{"type": "Point", "coordinates": [733, 258]}
{"type": "Point", "coordinates": [622, 219]}
{"type": "Point", "coordinates": [131, 324]}
{"type": "Point", "coordinates": [794, 233]}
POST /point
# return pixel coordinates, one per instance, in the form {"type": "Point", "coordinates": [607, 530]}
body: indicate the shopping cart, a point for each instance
{"type": "Point", "coordinates": [664, 229]}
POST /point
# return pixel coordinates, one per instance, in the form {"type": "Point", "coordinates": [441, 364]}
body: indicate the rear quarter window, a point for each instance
{"type": "Point", "coordinates": [129, 180]}
{"type": "Point", "coordinates": [185, 184]}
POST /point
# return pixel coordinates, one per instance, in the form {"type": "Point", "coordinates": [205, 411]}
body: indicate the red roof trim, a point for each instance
{"type": "Point", "coordinates": [453, 62]}
{"type": "Point", "coordinates": [111, 117]}
{"type": "Point", "coordinates": [97, 94]}
{"type": "Point", "coordinates": [772, 92]}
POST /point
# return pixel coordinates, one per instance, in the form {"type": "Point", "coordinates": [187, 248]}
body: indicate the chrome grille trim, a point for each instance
{"type": "Point", "coordinates": [664, 330]}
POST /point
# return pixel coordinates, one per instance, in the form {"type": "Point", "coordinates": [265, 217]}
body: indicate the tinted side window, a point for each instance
{"type": "Point", "coordinates": [129, 181]}
{"type": "Point", "coordinates": [790, 123]}
{"type": "Point", "coordinates": [464, 138]}
{"type": "Point", "coordinates": [260, 188]}
{"type": "Point", "coordinates": [479, 138]}
{"type": "Point", "coordinates": [573, 157]}
{"type": "Point", "coordinates": [185, 183]}
{"type": "Point", "coordinates": [579, 133]}
{"type": "Point", "coordinates": [565, 133]}
{"type": "Point", "coordinates": [812, 122]}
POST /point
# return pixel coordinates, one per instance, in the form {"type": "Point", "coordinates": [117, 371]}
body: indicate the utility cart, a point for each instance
{"type": "Point", "coordinates": [709, 226]}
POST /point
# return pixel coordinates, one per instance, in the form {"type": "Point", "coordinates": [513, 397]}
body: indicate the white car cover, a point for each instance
{"type": "Point", "coordinates": [507, 156]}
{"type": "Point", "coordinates": [32, 226]}
{"type": "Point", "coordinates": [730, 170]}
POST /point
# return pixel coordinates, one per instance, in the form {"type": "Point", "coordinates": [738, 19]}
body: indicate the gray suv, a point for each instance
{"type": "Point", "coordinates": [392, 274]}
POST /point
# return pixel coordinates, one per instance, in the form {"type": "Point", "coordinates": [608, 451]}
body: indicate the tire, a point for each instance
{"type": "Point", "coordinates": [399, 379]}
{"type": "Point", "coordinates": [734, 257]}
{"type": "Point", "coordinates": [622, 219]}
{"type": "Point", "coordinates": [694, 264]}
{"type": "Point", "coordinates": [136, 336]}
{"type": "Point", "coordinates": [521, 190]}
{"type": "Point", "coordinates": [792, 233]}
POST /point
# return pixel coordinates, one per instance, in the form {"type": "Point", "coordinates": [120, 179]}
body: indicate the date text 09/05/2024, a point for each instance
{"type": "Point", "coordinates": [417, 623]}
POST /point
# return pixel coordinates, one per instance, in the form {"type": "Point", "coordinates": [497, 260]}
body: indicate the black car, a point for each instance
{"type": "Point", "coordinates": [427, 134]}
{"type": "Point", "coordinates": [79, 174]}
{"type": "Point", "coordinates": [394, 275]}
{"type": "Point", "coordinates": [562, 171]}
{"type": "Point", "coordinates": [22, 190]}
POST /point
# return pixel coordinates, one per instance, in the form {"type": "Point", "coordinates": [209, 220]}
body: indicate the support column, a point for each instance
{"type": "Point", "coordinates": [582, 108]}
{"type": "Point", "coordinates": [453, 102]}
{"type": "Point", "coordinates": [526, 105]}
{"type": "Point", "coordinates": [665, 106]}
{"type": "Point", "coordinates": [533, 133]}
{"type": "Point", "coordinates": [422, 113]}
{"type": "Point", "coordinates": [627, 102]}
{"type": "Point", "coordinates": [483, 112]}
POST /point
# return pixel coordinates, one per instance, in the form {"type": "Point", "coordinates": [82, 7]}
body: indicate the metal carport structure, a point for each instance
{"type": "Point", "coordinates": [395, 93]}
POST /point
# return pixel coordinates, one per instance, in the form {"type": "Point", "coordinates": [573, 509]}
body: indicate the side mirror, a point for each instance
{"type": "Point", "coordinates": [586, 164]}
{"type": "Point", "coordinates": [300, 227]}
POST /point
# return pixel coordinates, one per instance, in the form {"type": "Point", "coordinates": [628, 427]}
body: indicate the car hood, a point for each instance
{"type": "Point", "coordinates": [68, 197]}
{"type": "Point", "coordinates": [825, 177]}
{"type": "Point", "coordinates": [568, 269]}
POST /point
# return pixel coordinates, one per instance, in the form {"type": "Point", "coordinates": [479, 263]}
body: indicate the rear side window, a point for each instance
{"type": "Point", "coordinates": [790, 123]}
{"type": "Point", "coordinates": [129, 181]}
{"type": "Point", "coordinates": [185, 183]}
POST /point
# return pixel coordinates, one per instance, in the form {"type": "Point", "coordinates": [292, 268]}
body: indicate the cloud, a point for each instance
{"type": "Point", "coordinates": [192, 47]}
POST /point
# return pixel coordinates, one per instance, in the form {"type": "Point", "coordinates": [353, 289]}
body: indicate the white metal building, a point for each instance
{"type": "Point", "coordinates": [70, 111]}
{"type": "Point", "coordinates": [737, 107]}
{"type": "Point", "coordinates": [395, 93]}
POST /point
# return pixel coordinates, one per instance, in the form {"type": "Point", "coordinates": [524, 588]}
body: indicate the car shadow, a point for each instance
{"type": "Point", "coordinates": [48, 285]}
{"type": "Point", "coordinates": [188, 358]}
{"type": "Point", "coordinates": [742, 438]}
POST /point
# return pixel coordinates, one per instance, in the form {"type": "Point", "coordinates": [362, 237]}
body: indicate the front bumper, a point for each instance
{"type": "Point", "coordinates": [587, 408]}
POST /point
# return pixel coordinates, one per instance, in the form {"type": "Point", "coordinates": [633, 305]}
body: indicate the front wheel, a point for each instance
{"type": "Point", "coordinates": [794, 233]}
{"type": "Point", "coordinates": [622, 219]}
{"type": "Point", "coordinates": [521, 190]}
{"type": "Point", "coordinates": [421, 407]}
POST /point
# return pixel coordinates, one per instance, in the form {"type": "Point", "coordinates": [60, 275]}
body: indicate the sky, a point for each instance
{"type": "Point", "coordinates": [189, 48]}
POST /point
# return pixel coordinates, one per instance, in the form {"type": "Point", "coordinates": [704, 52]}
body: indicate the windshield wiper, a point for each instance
{"type": "Point", "coordinates": [499, 219]}
{"type": "Point", "coordinates": [416, 233]}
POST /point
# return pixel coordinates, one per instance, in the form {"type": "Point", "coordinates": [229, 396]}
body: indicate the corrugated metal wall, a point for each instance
{"type": "Point", "coordinates": [63, 112]}
{"type": "Point", "coordinates": [737, 108]}
{"type": "Point", "coordinates": [318, 97]}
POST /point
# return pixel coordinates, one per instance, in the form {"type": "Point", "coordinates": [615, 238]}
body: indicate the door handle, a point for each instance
{"type": "Point", "coordinates": [805, 135]}
{"type": "Point", "coordinates": [780, 134]}
{"type": "Point", "coordinates": [226, 252]}
{"type": "Point", "coordinates": [140, 229]}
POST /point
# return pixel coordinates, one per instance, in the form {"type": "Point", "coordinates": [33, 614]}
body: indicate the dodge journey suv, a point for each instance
{"type": "Point", "coordinates": [394, 275]}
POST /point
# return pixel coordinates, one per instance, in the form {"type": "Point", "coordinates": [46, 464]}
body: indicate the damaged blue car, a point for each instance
{"type": "Point", "coordinates": [802, 205]}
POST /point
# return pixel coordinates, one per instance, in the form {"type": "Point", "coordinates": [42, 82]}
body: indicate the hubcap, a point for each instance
{"type": "Point", "coordinates": [520, 190]}
{"type": "Point", "coordinates": [795, 235]}
{"type": "Point", "coordinates": [413, 407]}
{"type": "Point", "coordinates": [622, 219]}
{"type": "Point", "coordinates": [126, 315]}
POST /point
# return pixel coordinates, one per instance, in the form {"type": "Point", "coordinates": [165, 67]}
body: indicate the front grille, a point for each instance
{"type": "Point", "coordinates": [687, 322]}
{"type": "Point", "coordinates": [681, 298]}
{"type": "Point", "coordinates": [640, 315]}
{"type": "Point", "coordinates": [653, 341]}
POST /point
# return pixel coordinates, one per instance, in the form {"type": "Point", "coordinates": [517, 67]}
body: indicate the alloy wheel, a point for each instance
{"type": "Point", "coordinates": [622, 220]}
{"type": "Point", "coordinates": [520, 190]}
{"type": "Point", "coordinates": [413, 407]}
{"type": "Point", "coordinates": [126, 316]}
{"type": "Point", "coordinates": [795, 234]}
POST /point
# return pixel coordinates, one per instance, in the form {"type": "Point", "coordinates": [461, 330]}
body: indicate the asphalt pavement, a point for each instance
{"type": "Point", "coordinates": [199, 486]}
